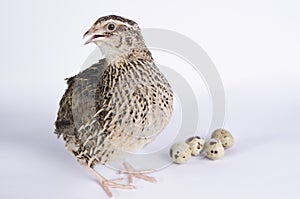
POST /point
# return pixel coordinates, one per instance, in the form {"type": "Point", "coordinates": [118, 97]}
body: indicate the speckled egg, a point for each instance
{"type": "Point", "coordinates": [224, 136]}
{"type": "Point", "coordinates": [196, 145]}
{"type": "Point", "coordinates": [214, 149]}
{"type": "Point", "coordinates": [180, 152]}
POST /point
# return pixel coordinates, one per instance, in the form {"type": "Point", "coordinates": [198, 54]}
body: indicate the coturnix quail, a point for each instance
{"type": "Point", "coordinates": [117, 105]}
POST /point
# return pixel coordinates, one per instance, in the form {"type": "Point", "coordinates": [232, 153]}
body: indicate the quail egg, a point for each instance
{"type": "Point", "coordinates": [180, 152]}
{"type": "Point", "coordinates": [196, 145]}
{"type": "Point", "coordinates": [214, 149]}
{"type": "Point", "coordinates": [224, 136]}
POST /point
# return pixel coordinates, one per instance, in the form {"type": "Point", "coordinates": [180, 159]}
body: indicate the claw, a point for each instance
{"type": "Point", "coordinates": [131, 172]}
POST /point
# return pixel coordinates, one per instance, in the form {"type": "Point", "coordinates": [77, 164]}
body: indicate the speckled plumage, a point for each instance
{"type": "Point", "coordinates": [114, 106]}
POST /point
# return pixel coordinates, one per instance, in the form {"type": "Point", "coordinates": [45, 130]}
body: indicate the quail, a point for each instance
{"type": "Point", "coordinates": [116, 106]}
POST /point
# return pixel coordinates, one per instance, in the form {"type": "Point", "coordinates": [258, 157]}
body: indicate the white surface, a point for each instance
{"type": "Point", "coordinates": [255, 46]}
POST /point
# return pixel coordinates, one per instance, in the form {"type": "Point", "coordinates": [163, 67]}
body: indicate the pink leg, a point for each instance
{"type": "Point", "coordinates": [109, 183]}
{"type": "Point", "coordinates": [137, 174]}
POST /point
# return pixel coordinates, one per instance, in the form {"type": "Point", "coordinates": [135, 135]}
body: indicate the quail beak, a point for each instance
{"type": "Point", "coordinates": [94, 34]}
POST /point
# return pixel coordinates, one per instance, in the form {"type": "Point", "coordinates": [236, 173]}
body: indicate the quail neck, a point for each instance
{"type": "Point", "coordinates": [117, 39]}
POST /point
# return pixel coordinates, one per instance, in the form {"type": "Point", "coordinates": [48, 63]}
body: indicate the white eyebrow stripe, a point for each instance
{"type": "Point", "coordinates": [117, 22]}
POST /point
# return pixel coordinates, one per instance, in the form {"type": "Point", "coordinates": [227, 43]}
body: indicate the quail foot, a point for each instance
{"type": "Point", "coordinates": [132, 172]}
{"type": "Point", "coordinates": [119, 104]}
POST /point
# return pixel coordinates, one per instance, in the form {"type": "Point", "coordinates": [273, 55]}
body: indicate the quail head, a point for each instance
{"type": "Point", "coordinates": [115, 36]}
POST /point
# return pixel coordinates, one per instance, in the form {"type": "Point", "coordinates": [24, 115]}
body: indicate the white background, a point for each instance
{"type": "Point", "coordinates": [255, 46]}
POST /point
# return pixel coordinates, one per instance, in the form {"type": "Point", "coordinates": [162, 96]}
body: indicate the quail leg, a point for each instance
{"type": "Point", "coordinates": [106, 184]}
{"type": "Point", "coordinates": [131, 172]}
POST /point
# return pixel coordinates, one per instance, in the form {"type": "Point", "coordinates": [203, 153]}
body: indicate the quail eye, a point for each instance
{"type": "Point", "coordinates": [111, 27]}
